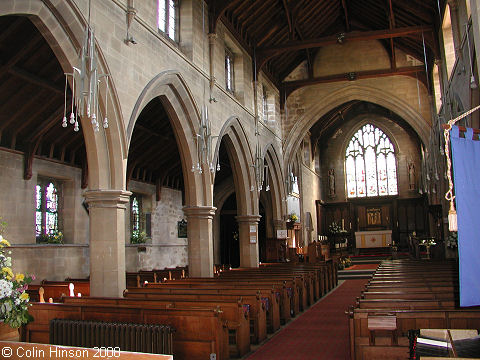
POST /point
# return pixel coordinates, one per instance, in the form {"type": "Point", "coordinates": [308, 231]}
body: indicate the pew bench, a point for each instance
{"type": "Point", "coordinates": [199, 332]}
{"type": "Point", "coordinates": [258, 327]}
{"type": "Point", "coordinates": [232, 311]}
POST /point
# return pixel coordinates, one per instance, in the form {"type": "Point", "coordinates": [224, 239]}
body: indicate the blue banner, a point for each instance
{"type": "Point", "coordinates": [466, 175]}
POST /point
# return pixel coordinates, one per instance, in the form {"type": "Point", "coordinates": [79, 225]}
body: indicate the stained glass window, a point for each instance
{"type": "Point", "coordinates": [166, 18]}
{"type": "Point", "coordinates": [46, 208]}
{"type": "Point", "coordinates": [135, 211]}
{"type": "Point", "coordinates": [370, 164]}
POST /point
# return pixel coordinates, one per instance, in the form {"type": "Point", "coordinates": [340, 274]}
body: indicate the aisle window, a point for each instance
{"type": "Point", "coordinates": [46, 208]}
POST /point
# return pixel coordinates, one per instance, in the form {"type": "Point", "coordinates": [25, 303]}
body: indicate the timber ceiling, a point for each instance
{"type": "Point", "coordinates": [284, 33]}
{"type": "Point", "coordinates": [281, 33]}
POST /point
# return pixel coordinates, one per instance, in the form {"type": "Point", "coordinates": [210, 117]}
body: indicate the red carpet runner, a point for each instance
{"type": "Point", "coordinates": [320, 333]}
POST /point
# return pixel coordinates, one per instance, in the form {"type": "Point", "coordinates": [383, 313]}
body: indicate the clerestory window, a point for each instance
{"type": "Point", "coordinates": [370, 164]}
{"type": "Point", "coordinates": [167, 18]}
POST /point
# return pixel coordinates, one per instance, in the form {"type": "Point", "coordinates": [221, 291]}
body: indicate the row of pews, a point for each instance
{"type": "Point", "coordinates": [405, 295]}
{"type": "Point", "coordinates": [222, 315]}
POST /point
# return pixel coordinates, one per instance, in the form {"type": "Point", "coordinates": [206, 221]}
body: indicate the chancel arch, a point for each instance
{"type": "Point", "coordinates": [318, 109]}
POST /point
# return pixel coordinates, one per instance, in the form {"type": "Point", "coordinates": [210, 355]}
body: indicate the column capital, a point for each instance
{"type": "Point", "coordinates": [212, 37]}
{"type": "Point", "coordinates": [107, 198]}
{"type": "Point", "coordinates": [248, 218]}
{"type": "Point", "coordinates": [203, 212]}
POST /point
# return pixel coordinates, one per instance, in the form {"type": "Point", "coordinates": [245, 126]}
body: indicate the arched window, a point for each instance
{"type": "Point", "coordinates": [46, 208]}
{"type": "Point", "coordinates": [370, 164]}
{"type": "Point", "coordinates": [135, 212]}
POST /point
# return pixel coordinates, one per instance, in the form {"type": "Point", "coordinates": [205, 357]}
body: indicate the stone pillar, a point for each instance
{"type": "Point", "coordinates": [200, 240]}
{"type": "Point", "coordinates": [248, 229]}
{"type": "Point", "coordinates": [106, 210]}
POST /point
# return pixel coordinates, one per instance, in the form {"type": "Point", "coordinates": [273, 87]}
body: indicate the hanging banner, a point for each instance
{"type": "Point", "coordinates": [466, 172]}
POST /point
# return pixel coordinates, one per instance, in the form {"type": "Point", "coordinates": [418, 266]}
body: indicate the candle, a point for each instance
{"type": "Point", "coordinates": [343, 223]}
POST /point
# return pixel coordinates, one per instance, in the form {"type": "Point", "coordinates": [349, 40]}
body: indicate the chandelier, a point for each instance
{"type": "Point", "coordinates": [204, 146]}
{"type": "Point", "coordinates": [86, 81]}
{"type": "Point", "coordinates": [260, 169]}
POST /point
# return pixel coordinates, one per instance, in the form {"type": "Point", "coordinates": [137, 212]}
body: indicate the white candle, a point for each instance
{"type": "Point", "coordinates": [343, 223]}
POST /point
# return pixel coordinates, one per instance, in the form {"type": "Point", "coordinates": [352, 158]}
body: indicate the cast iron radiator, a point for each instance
{"type": "Point", "coordinates": [147, 338]}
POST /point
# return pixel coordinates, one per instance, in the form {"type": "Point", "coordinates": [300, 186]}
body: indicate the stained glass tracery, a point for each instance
{"type": "Point", "coordinates": [46, 208]}
{"type": "Point", "coordinates": [370, 164]}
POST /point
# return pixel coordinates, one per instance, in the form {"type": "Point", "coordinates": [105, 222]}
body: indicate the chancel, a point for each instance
{"type": "Point", "coordinates": [198, 173]}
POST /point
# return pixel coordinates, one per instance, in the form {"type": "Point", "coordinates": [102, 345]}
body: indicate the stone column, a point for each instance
{"type": "Point", "coordinates": [248, 230]}
{"type": "Point", "coordinates": [200, 240]}
{"type": "Point", "coordinates": [106, 210]}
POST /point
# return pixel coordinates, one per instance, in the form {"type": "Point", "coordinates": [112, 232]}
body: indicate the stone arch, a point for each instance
{"type": "Point", "coordinates": [63, 27]}
{"type": "Point", "coordinates": [277, 185]}
{"type": "Point", "coordinates": [62, 24]}
{"type": "Point", "coordinates": [241, 157]}
{"type": "Point", "coordinates": [350, 93]}
{"type": "Point", "coordinates": [184, 116]}
{"type": "Point", "coordinates": [241, 160]}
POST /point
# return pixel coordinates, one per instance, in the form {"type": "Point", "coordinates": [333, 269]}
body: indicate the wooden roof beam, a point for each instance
{"type": "Point", "coordinates": [291, 29]}
{"type": "Point", "coordinates": [216, 8]}
{"type": "Point", "coordinates": [290, 86]}
{"type": "Point", "coordinates": [345, 12]}
{"type": "Point", "coordinates": [268, 52]}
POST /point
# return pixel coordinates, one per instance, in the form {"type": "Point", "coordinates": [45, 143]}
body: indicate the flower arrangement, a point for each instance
{"type": "Point", "coordinates": [293, 217]}
{"type": "Point", "coordinates": [334, 228]}
{"type": "Point", "coordinates": [344, 262]}
{"type": "Point", "coordinates": [55, 237]}
{"type": "Point", "coordinates": [138, 237]}
{"type": "Point", "coordinates": [428, 242]}
{"type": "Point", "coordinates": [14, 300]}
{"type": "Point", "coordinates": [452, 240]}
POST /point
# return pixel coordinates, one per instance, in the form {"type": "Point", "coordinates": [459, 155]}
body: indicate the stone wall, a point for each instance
{"type": "Point", "coordinates": [51, 262]}
{"type": "Point", "coordinates": [17, 204]}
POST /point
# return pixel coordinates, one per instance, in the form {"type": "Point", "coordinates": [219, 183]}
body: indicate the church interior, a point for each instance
{"type": "Point", "coordinates": [306, 187]}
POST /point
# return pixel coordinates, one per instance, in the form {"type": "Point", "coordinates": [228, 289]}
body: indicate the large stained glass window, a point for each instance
{"type": "Point", "coordinates": [370, 164]}
{"type": "Point", "coordinates": [46, 208]}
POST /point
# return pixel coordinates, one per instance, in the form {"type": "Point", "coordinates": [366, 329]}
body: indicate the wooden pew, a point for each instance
{"type": "Point", "coordinates": [272, 300]}
{"type": "Point", "coordinates": [233, 312]}
{"type": "Point", "coordinates": [56, 290]}
{"type": "Point", "coordinates": [22, 350]}
{"type": "Point", "coordinates": [361, 349]}
{"type": "Point", "coordinates": [199, 332]}
{"type": "Point", "coordinates": [252, 297]}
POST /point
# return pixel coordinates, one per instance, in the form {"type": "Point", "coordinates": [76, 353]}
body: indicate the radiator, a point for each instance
{"type": "Point", "coordinates": [156, 339]}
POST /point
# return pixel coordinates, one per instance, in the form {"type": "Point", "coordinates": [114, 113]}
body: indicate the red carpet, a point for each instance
{"type": "Point", "coordinates": [363, 267]}
{"type": "Point", "coordinates": [320, 333]}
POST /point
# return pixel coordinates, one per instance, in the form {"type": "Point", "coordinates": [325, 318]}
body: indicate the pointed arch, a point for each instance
{"type": "Point", "coordinates": [349, 93]}
{"type": "Point", "coordinates": [62, 26]}
{"type": "Point", "coordinates": [277, 185]}
{"type": "Point", "coordinates": [241, 157]}
{"type": "Point", "coordinates": [172, 90]}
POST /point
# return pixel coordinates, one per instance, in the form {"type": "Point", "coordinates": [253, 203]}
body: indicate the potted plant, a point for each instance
{"type": "Point", "coordinates": [14, 301]}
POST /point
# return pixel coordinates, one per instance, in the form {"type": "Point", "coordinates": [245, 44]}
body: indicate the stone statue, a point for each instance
{"type": "Point", "coordinates": [331, 182]}
{"type": "Point", "coordinates": [411, 175]}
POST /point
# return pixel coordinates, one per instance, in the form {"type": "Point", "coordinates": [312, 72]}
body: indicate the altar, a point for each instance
{"type": "Point", "coordinates": [373, 239]}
